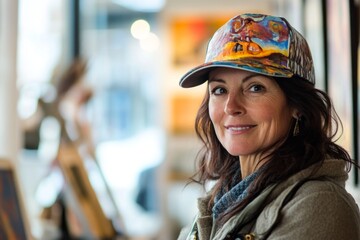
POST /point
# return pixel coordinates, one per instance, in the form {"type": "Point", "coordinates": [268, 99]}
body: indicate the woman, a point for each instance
{"type": "Point", "coordinates": [268, 140]}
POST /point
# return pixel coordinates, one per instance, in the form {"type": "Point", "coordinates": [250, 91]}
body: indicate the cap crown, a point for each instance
{"type": "Point", "coordinates": [259, 43]}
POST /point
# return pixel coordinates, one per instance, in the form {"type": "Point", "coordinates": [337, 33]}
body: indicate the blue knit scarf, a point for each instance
{"type": "Point", "coordinates": [225, 200]}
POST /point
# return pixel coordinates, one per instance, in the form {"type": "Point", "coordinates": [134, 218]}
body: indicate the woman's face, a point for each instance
{"type": "Point", "coordinates": [249, 111]}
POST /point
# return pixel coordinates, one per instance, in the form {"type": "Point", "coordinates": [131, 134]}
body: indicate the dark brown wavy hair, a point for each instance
{"type": "Point", "coordinates": [319, 125]}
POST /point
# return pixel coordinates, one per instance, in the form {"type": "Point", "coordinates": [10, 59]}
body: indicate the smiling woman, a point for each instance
{"type": "Point", "coordinates": [268, 138]}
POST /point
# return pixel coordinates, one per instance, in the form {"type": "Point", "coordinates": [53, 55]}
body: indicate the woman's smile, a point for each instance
{"type": "Point", "coordinates": [239, 129]}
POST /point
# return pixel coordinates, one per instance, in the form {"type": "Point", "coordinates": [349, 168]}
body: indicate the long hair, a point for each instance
{"type": "Point", "coordinates": [318, 124]}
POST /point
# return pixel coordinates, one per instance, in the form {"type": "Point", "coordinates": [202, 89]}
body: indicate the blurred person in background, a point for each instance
{"type": "Point", "coordinates": [268, 137]}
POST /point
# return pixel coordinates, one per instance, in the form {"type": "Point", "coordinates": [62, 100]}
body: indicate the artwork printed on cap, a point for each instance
{"type": "Point", "coordinates": [258, 43]}
{"type": "Point", "coordinates": [264, 38]}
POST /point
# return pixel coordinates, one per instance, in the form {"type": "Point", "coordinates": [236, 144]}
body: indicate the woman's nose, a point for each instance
{"type": "Point", "coordinates": [234, 106]}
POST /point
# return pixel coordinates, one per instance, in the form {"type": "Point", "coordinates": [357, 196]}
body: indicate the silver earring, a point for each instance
{"type": "Point", "coordinates": [296, 128]}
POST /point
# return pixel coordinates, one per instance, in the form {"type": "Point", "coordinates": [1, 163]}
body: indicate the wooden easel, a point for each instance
{"type": "Point", "coordinates": [78, 189]}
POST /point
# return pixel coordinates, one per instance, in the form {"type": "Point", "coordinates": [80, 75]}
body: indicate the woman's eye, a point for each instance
{"type": "Point", "coordinates": [256, 88]}
{"type": "Point", "coordinates": [218, 91]}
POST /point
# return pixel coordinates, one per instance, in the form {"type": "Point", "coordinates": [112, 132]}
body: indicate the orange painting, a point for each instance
{"type": "Point", "coordinates": [190, 37]}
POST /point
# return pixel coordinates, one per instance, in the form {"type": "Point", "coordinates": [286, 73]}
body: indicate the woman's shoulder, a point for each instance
{"type": "Point", "coordinates": [325, 193]}
{"type": "Point", "coordinates": [326, 185]}
{"type": "Point", "coordinates": [319, 209]}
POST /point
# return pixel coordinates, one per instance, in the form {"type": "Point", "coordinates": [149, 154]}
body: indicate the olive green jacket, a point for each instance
{"type": "Point", "coordinates": [297, 209]}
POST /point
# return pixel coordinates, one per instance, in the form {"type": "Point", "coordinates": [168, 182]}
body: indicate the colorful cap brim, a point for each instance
{"type": "Point", "coordinates": [200, 74]}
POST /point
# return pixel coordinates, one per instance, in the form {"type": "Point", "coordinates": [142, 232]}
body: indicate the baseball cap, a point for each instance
{"type": "Point", "coordinates": [258, 43]}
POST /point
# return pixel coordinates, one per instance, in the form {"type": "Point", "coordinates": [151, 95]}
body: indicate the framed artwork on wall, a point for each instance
{"type": "Point", "coordinates": [13, 220]}
{"type": "Point", "coordinates": [183, 113]}
{"type": "Point", "coordinates": [190, 36]}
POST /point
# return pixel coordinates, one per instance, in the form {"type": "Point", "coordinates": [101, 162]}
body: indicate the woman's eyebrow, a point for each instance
{"type": "Point", "coordinates": [251, 76]}
{"type": "Point", "coordinates": [216, 80]}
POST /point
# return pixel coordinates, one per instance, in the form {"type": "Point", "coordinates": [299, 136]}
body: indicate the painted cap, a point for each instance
{"type": "Point", "coordinates": [258, 43]}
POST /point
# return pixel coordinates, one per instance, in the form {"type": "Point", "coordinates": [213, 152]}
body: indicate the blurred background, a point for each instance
{"type": "Point", "coordinates": [100, 134]}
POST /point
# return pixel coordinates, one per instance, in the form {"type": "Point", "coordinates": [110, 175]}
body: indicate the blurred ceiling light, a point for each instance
{"type": "Point", "coordinates": [150, 43]}
{"type": "Point", "coordinates": [142, 5]}
{"type": "Point", "coordinates": [140, 29]}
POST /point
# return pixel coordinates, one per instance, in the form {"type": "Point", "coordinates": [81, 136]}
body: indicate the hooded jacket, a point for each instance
{"type": "Point", "coordinates": [308, 205]}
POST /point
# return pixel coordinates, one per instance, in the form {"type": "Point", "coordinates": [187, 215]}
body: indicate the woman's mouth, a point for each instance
{"type": "Point", "coordinates": [239, 129]}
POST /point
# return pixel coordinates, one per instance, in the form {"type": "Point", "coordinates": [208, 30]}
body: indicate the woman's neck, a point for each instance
{"type": "Point", "coordinates": [249, 164]}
